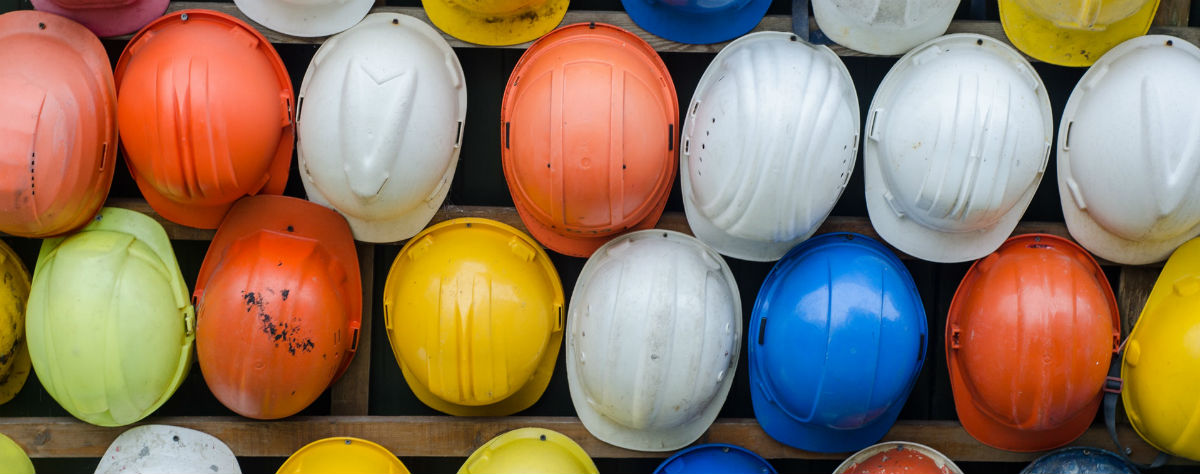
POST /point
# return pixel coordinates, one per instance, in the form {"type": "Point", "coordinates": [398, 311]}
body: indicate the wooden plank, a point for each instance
{"type": "Point", "coordinates": [1173, 13]}
{"type": "Point", "coordinates": [350, 394]}
{"type": "Point", "coordinates": [1133, 288]}
{"type": "Point", "coordinates": [446, 436]}
{"type": "Point", "coordinates": [619, 18]}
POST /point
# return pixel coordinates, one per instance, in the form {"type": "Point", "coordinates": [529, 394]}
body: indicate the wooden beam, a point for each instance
{"type": "Point", "coordinates": [447, 436]}
{"type": "Point", "coordinates": [1133, 288]}
{"type": "Point", "coordinates": [350, 394]}
{"type": "Point", "coordinates": [1173, 13]}
{"type": "Point", "coordinates": [619, 18]}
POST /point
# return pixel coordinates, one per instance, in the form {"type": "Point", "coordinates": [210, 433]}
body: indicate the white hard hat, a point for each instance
{"type": "Point", "coordinates": [883, 26]}
{"type": "Point", "coordinates": [653, 334]}
{"type": "Point", "coordinates": [769, 143]}
{"type": "Point", "coordinates": [162, 449]}
{"type": "Point", "coordinates": [957, 138]}
{"type": "Point", "coordinates": [380, 120]}
{"type": "Point", "coordinates": [1129, 151]}
{"type": "Point", "coordinates": [305, 17]}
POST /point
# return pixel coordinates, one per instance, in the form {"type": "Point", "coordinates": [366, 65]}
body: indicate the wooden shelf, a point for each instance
{"type": "Point", "coordinates": [621, 19]}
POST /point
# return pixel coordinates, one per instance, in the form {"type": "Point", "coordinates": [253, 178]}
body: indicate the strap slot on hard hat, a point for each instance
{"type": "Point", "coordinates": [457, 133]}
{"type": "Point", "coordinates": [507, 127]}
{"type": "Point", "coordinates": [670, 137]}
{"type": "Point", "coordinates": [1067, 137]}
{"type": "Point", "coordinates": [103, 153]}
{"type": "Point", "coordinates": [353, 341]}
{"type": "Point", "coordinates": [762, 330]}
{"type": "Point", "coordinates": [299, 107]}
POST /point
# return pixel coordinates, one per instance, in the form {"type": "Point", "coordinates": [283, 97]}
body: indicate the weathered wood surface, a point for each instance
{"type": "Point", "coordinates": [350, 394]}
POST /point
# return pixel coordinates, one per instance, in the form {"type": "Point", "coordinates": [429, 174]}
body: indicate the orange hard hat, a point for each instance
{"type": "Point", "coordinates": [206, 115]}
{"type": "Point", "coordinates": [278, 305]}
{"type": "Point", "coordinates": [589, 123]}
{"type": "Point", "coordinates": [58, 128]}
{"type": "Point", "coordinates": [1029, 338]}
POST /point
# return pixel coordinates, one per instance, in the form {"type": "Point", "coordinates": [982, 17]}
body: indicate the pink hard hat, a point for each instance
{"type": "Point", "coordinates": [106, 17]}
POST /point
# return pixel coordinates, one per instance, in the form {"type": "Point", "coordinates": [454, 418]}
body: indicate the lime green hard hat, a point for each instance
{"type": "Point", "coordinates": [109, 324]}
{"type": "Point", "coordinates": [13, 458]}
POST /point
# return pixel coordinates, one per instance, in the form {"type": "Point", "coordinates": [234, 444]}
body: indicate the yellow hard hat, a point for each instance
{"type": "Point", "coordinates": [13, 458]}
{"type": "Point", "coordinates": [474, 313]}
{"type": "Point", "coordinates": [496, 22]}
{"type": "Point", "coordinates": [1161, 390]}
{"type": "Point", "coordinates": [1073, 32]}
{"type": "Point", "coordinates": [342, 455]}
{"type": "Point", "coordinates": [14, 293]}
{"type": "Point", "coordinates": [529, 451]}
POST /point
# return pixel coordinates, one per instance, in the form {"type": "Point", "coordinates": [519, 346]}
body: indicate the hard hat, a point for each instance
{"type": "Point", "coordinates": [278, 305]}
{"type": "Point", "coordinates": [896, 457]}
{"type": "Point", "coordinates": [342, 455]}
{"type": "Point", "coordinates": [715, 459]}
{"type": "Point", "coordinates": [109, 325]}
{"type": "Point", "coordinates": [206, 115]}
{"type": "Point", "coordinates": [496, 22]}
{"type": "Point", "coordinates": [1029, 337]}
{"type": "Point", "coordinates": [653, 336]}
{"type": "Point", "coordinates": [13, 458]}
{"type": "Point", "coordinates": [1161, 392]}
{"type": "Point", "coordinates": [58, 131]}
{"type": "Point", "coordinates": [1073, 32]}
{"type": "Point", "coordinates": [1127, 159]}
{"type": "Point", "coordinates": [14, 293]}
{"type": "Point", "coordinates": [591, 153]}
{"type": "Point", "coordinates": [697, 21]}
{"type": "Point", "coordinates": [957, 138]}
{"type": "Point", "coordinates": [837, 339]}
{"type": "Point", "coordinates": [306, 18]}
{"type": "Point", "coordinates": [883, 26]}
{"type": "Point", "coordinates": [163, 449]}
{"type": "Point", "coordinates": [529, 451]}
{"type": "Point", "coordinates": [106, 17]}
{"type": "Point", "coordinates": [1080, 459]}
{"type": "Point", "coordinates": [474, 313]}
{"type": "Point", "coordinates": [768, 145]}
{"type": "Point", "coordinates": [385, 104]}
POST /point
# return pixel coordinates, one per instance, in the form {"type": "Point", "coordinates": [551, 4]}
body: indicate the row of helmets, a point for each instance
{"type": "Point", "coordinates": [1070, 33]}
{"type": "Point", "coordinates": [956, 141]}
{"type": "Point", "coordinates": [163, 449]}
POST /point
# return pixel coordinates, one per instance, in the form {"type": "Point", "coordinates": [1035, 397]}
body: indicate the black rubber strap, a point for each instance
{"type": "Point", "coordinates": [1112, 395]}
{"type": "Point", "coordinates": [800, 18]}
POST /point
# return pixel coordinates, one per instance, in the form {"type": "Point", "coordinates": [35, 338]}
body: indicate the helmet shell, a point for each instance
{"type": "Point", "coordinates": [883, 26]}
{"type": "Point", "coordinates": [529, 451]}
{"type": "Point", "coordinates": [163, 449]}
{"type": "Point", "coordinates": [1074, 32]}
{"type": "Point", "coordinates": [715, 458]}
{"type": "Point", "coordinates": [496, 22]}
{"type": "Point", "coordinates": [342, 455]}
{"type": "Point", "coordinates": [14, 295]}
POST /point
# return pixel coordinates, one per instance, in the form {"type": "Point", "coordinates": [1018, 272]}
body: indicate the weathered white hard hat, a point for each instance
{"type": "Point", "coordinates": [883, 26]}
{"type": "Point", "coordinates": [305, 17]}
{"type": "Point", "coordinates": [163, 449]}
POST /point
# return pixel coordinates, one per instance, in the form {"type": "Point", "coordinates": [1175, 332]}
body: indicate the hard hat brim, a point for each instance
{"type": "Point", "coordinates": [523, 398]}
{"type": "Point", "coordinates": [843, 30]}
{"type": "Point", "coordinates": [1045, 41]}
{"type": "Point", "coordinates": [519, 27]}
{"type": "Point", "coordinates": [675, 24]}
{"type": "Point", "coordinates": [308, 21]}
{"type": "Point", "coordinates": [812, 437]}
{"type": "Point", "coordinates": [109, 21]}
{"type": "Point", "coordinates": [988, 431]}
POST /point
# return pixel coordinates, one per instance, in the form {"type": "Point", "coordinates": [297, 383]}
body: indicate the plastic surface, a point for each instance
{"type": "Point", "coordinates": [496, 22]}
{"type": "Point", "coordinates": [697, 21]}
{"type": "Point", "coordinates": [1029, 337]}
{"type": "Point", "coordinates": [58, 131]}
{"type": "Point", "coordinates": [106, 17]}
{"type": "Point", "coordinates": [14, 294]}
{"type": "Point", "coordinates": [109, 325]}
{"type": "Point", "coordinates": [1161, 391]}
{"type": "Point", "coordinates": [473, 309]}
{"type": "Point", "coordinates": [895, 457]}
{"type": "Point", "coordinates": [1080, 460]}
{"type": "Point", "coordinates": [715, 459]}
{"type": "Point", "coordinates": [1127, 159]}
{"type": "Point", "coordinates": [529, 451]}
{"type": "Point", "coordinates": [837, 339]}
{"type": "Point", "coordinates": [588, 136]}
{"type": "Point", "coordinates": [206, 115]}
{"type": "Point", "coordinates": [883, 26]}
{"type": "Point", "coordinates": [382, 111]}
{"type": "Point", "coordinates": [1074, 32]}
{"type": "Point", "coordinates": [769, 143]}
{"type": "Point", "coordinates": [306, 18]}
{"type": "Point", "coordinates": [653, 336]}
{"type": "Point", "coordinates": [278, 305]}
{"type": "Point", "coordinates": [13, 458]}
{"type": "Point", "coordinates": [163, 449]}
{"type": "Point", "coordinates": [342, 455]}
{"type": "Point", "coordinates": [957, 137]}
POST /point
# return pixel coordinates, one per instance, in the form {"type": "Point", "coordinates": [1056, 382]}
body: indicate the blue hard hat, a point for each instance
{"type": "Point", "coordinates": [837, 339]}
{"type": "Point", "coordinates": [1080, 460]}
{"type": "Point", "coordinates": [697, 21]}
{"type": "Point", "coordinates": [715, 459]}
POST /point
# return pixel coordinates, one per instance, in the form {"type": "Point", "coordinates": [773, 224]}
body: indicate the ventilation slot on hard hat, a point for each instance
{"type": "Point", "coordinates": [354, 341]}
{"type": "Point", "coordinates": [762, 330]}
{"type": "Point", "coordinates": [507, 127]}
{"type": "Point", "coordinates": [670, 137]}
{"type": "Point", "coordinates": [299, 108]}
{"type": "Point", "coordinates": [458, 134]}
